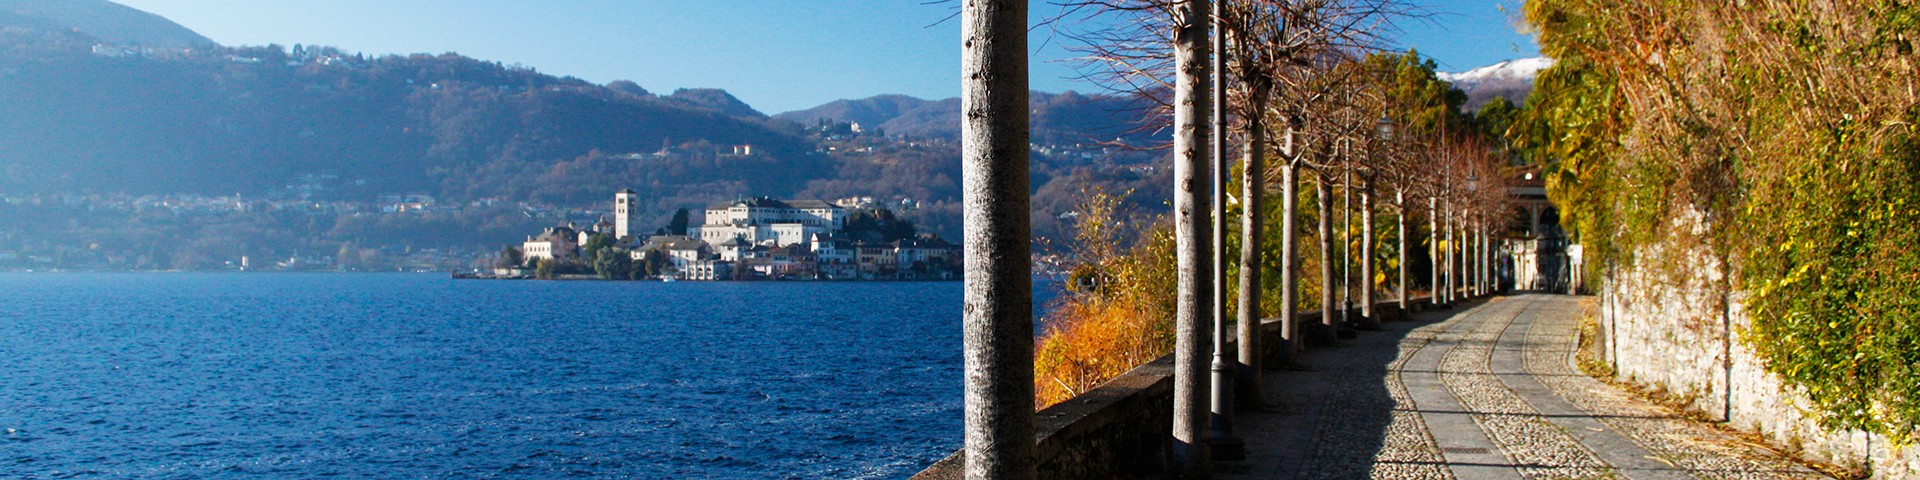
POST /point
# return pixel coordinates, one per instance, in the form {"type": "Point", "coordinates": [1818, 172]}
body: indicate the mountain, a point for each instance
{"type": "Point", "coordinates": [1512, 79]}
{"type": "Point", "coordinates": [110, 22]}
{"type": "Point", "coordinates": [251, 119]}
{"type": "Point", "coordinates": [877, 111]}
{"type": "Point", "coordinates": [1058, 119]}
{"type": "Point", "coordinates": [715, 99]}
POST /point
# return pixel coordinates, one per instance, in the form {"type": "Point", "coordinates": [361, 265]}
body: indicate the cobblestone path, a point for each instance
{"type": "Point", "coordinates": [1485, 391]}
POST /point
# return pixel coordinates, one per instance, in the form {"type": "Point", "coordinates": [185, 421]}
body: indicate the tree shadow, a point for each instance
{"type": "Point", "coordinates": [1331, 414]}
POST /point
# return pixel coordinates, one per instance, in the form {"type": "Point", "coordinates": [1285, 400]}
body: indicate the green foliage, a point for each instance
{"type": "Point", "coordinates": [1834, 284]}
{"type": "Point", "coordinates": [1419, 103]}
{"type": "Point", "coordinates": [595, 244]}
{"type": "Point", "coordinates": [1572, 126]}
{"type": "Point", "coordinates": [510, 257]}
{"type": "Point", "coordinates": [545, 268]}
{"type": "Point", "coordinates": [878, 225]}
{"type": "Point", "coordinates": [612, 263]}
{"type": "Point", "coordinates": [655, 263]}
{"type": "Point", "coordinates": [1775, 139]}
{"type": "Point", "coordinates": [678, 226]}
{"type": "Point", "coordinates": [1495, 117]}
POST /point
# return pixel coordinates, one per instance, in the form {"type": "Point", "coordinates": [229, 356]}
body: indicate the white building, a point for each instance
{"type": "Point", "coordinates": [681, 250]}
{"type": "Point", "coordinates": [623, 213]}
{"type": "Point", "coordinates": [707, 270]}
{"type": "Point", "coordinates": [769, 221]}
{"type": "Point", "coordinates": [732, 249]}
{"type": "Point", "coordinates": [556, 242]}
{"type": "Point", "coordinates": [834, 258]}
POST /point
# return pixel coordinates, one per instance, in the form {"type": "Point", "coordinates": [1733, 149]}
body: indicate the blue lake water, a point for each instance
{"type": "Point", "coordinates": [186, 375]}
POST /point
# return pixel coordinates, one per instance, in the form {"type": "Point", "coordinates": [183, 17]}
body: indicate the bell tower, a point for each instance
{"type": "Point", "coordinates": [623, 212]}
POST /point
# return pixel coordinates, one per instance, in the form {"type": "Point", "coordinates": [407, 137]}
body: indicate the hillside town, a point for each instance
{"type": "Point", "coordinates": [745, 239]}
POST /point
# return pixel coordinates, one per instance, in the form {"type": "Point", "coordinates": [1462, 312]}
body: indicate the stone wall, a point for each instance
{"type": "Point", "coordinates": [1117, 430]}
{"type": "Point", "coordinates": [1673, 333]}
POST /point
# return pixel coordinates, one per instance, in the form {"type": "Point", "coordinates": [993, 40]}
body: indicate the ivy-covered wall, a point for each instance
{"type": "Point", "coordinates": [1683, 340]}
{"type": "Point", "coordinates": [1772, 140]}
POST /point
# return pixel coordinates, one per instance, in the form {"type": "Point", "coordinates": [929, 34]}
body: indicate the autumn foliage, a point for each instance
{"type": "Point", "coordinates": [1118, 312]}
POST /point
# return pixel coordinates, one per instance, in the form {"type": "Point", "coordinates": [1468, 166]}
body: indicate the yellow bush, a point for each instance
{"type": "Point", "coordinates": [1118, 312]}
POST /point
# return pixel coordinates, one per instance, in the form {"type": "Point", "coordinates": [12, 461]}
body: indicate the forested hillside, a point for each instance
{"type": "Point", "coordinates": [1058, 119]}
{"type": "Point", "coordinates": [209, 132]}
{"type": "Point", "coordinates": [218, 120]}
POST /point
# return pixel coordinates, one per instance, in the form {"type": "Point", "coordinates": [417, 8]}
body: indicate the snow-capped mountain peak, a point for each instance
{"type": "Point", "coordinates": [1511, 79]}
{"type": "Point", "coordinates": [1522, 69]}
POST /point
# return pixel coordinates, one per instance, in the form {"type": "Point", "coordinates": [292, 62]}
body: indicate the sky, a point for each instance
{"type": "Point", "coordinates": [775, 55]}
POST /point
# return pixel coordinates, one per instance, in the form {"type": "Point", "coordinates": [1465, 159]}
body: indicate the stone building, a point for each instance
{"type": "Point", "coordinates": [1538, 255]}
{"type": "Point", "coordinates": [559, 242]}
{"type": "Point", "coordinates": [768, 221]}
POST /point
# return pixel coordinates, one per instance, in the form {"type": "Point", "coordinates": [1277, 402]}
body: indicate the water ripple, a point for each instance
{"type": "Point", "coordinates": [384, 376]}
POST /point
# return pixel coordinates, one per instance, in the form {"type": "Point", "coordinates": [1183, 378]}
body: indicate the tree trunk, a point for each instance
{"type": "Point", "coordinates": [1253, 226]}
{"type": "Point", "coordinates": [1453, 257]}
{"type": "Point", "coordinates": [1192, 240]}
{"type": "Point", "coordinates": [1479, 262]}
{"type": "Point", "coordinates": [1456, 275]}
{"type": "Point", "coordinates": [1433, 251]}
{"type": "Point", "coordinates": [998, 315]}
{"type": "Point", "coordinates": [1466, 258]}
{"type": "Point", "coordinates": [1490, 261]}
{"type": "Point", "coordinates": [1329, 324]}
{"type": "Point", "coordinates": [1452, 279]}
{"type": "Point", "coordinates": [1366, 257]}
{"type": "Point", "coordinates": [1476, 259]}
{"type": "Point", "coordinates": [1290, 252]}
{"type": "Point", "coordinates": [1400, 217]}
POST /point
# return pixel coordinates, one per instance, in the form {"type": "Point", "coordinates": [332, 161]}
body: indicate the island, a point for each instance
{"type": "Point", "coordinates": [745, 239]}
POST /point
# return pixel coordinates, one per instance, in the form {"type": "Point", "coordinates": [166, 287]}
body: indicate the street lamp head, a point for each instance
{"type": "Point", "coordinates": [1385, 127]}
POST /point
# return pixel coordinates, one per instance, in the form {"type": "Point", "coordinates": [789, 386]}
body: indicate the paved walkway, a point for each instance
{"type": "Point", "coordinates": [1485, 391]}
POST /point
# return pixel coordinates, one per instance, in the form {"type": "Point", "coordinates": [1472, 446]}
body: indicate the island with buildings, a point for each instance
{"type": "Point", "coordinates": [745, 239]}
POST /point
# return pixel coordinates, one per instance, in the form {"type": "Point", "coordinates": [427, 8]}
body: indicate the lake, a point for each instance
{"type": "Point", "coordinates": [223, 375]}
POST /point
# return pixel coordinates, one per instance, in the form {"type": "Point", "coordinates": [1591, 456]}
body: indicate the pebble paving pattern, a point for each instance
{"type": "Point", "coordinates": [1540, 449]}
{"type": "Point", "coordinates": [1505, 362]}
{"type": "Point", "coordinates": [1676, 441]}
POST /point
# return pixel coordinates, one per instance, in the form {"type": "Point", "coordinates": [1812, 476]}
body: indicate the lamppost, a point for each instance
{"type": "Point", "coordinates": [1222, 442]}
{"type": "Point", "coordinates": [1383, 132]}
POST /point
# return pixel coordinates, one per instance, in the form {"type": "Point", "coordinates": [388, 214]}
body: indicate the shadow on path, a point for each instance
{"type": "Point", "coordinates": [1335, 412]}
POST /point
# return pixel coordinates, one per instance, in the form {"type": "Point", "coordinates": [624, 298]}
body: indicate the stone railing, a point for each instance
{"type": "Point", "coordinates": [1120, 427]}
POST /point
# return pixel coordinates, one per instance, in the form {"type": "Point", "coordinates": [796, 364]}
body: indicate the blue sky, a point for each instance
{"type": "Point", "coordinates": [775, 55]}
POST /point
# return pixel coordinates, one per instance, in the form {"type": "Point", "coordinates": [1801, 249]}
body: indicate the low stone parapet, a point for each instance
{"type": "Point", "coordinates": [1117, 429]}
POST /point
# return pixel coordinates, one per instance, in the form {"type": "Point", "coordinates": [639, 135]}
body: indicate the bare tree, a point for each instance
{"type": "Point", "coordinates": [1270, 39]}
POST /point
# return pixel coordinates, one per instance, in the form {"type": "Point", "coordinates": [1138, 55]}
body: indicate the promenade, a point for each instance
{"type": "Point", "coordinates": [1488, 390]}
